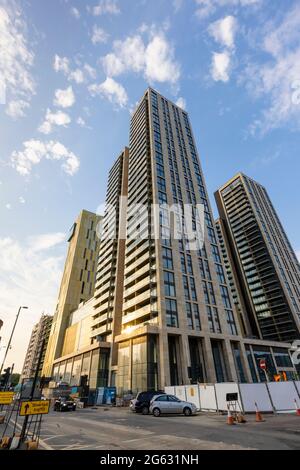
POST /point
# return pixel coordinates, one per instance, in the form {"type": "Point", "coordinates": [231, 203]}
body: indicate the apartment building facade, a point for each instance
{"type": "Point", "coordinates": [178, 323]}
{"type": "Point", "coordinates": [164, 310]}
{"type": "Point", "coordinates": [78, 282]}
{"type": "Point", "coordinates": [37, 344]}
{"type": "Point", "coordinates": [265, 269]}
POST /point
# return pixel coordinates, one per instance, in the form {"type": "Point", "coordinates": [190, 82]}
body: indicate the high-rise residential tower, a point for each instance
{"type": "Point", "coordinates": [38, 341]}
{"type": "Point", "coordinates": [162, 311]}
{"type": "Point", "coordinates": [108, 298]}
{"type": "Point", "coordinates": [178, 322]}
{"type": "Point", "coordinates": [266, 272]}
{"type": "Point", "coordinates": [78, 281]}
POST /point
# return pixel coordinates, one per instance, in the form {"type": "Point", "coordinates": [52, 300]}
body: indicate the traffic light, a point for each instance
{"type": "Point", "coordinates": [4, 379]}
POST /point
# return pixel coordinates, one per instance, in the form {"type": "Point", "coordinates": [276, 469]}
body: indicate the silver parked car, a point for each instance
{"type": "Point", "coordinates": [171, 404]}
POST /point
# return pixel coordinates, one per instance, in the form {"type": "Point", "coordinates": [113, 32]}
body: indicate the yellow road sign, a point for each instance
{"type": "Point", "coordinates": [6, 398]}
{"type": "Point", "coordinates": [40, 407]}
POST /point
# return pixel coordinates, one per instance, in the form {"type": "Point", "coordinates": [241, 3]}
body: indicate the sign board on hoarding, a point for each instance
{"type": "Point", "coordinates": [6, 398]}
{"type": "Point", "coordinates": [40, 407]}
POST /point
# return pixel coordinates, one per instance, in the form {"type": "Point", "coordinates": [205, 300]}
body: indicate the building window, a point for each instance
{"type": "Point", "coordinates": [169, 281]}
{"type": "Point", "coordinates": [171, 313]}
{"type": "Point", "coordinates": [193, 289]}
{"type": "Point", "coordinates": [225, 297]}
{"type": "Point", "coordinates": [251, 365]}
{"type": "Point", "coordinates": [231, 322]}
{"type": "Point", "coordinates": [282, 358]}
{"type": "Point", "coordinates": [213, 319]}
{"type": "Point", "coordinates": [189, 315]}
{"type": "Point", "coordinates": [238, 363]}
{"type": "Point", "coordinates": [189, 264]}
{"type": "Point", "coordinates": [197, 317]}
{"type": "Point", "coordinates": [186, 287]}
{"type": "Point", "coordinates": [220, 274]}
{"type": "Point", "coordinates": [182, 261]}
{"type": "Point", "coordinates": [167, 258]}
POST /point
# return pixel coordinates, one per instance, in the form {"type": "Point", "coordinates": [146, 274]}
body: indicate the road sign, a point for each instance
{"type": "Point", "coordinates": [263, 364]}
{"type": "Point", "coordinates": [40, 407]}
{"type": "Point", "coordinates": [6, 398]}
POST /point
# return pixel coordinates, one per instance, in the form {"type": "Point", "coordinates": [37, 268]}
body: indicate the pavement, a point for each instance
{"type": "Point", "coordinates": [120, 429]}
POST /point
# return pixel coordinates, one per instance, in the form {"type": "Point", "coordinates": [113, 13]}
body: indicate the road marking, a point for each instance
{"type": "Point", "coordinates": [76, 447]}
{"type": "Point", "coordinates": [43, 444]}
{"type": "Point", "coordinates": [111, 426]}
{"type": "Point", "coordinates": [53, 437]}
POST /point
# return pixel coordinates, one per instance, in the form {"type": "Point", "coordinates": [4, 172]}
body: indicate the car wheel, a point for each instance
{"type": "Point", "coordinates": [187, 411]}
{"type": "Point", "coordinates": [156, 412]}
{"type": "Point", "coordinates": [145, 410]}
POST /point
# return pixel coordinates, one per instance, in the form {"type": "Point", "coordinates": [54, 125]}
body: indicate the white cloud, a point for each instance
{"type": "Point", "coordinates": [81, 122]}
{"type": "Point", "coordinates": [181, 103]}
{"type": "Point", "coordinates": [277, 81]}
{"type": "Point", "coordinates": [99, 35]}
{"type": "Point", "coordinates": [64, 98]}
{"type": "Point", "coordinates": [22, 200]}
{"type": "Point", "coordinates": [220, 67]}
{"type": "Point", "coordinates": [35, 151]}
{"type": "Point", "coordinates": [223, 31]}
{"type": "Point", "coordinates": [177, 5]}
{"type": "Point", "coordinates": [16, 60]}
{"type": "Point", "coordinates": [8, 206]}
{"type": "Point", "coordinates": [45, 241]}
{"type": "Point", "coordinates": [154, 60]}
{"type": "Point", "coordinates": [30, 278]}
{"type": "Point", "coordinates": [52, 120]}
{"type": "Point", "coordinates": [75, 12]}
{"type": "Point", "coordinates": [106, 7]}
{"type": "Point", "coordinates": [205, 8]}
{"type": "Point", "coordinates": [16, 108]}
{"type": "Point", "coordinates": [78, 75]}
{"type": "Point", "coordinates": [111, 90]}
{"type": "Point", "coordinates": [160, 64]}
{"type": "Point", "coordinates": [61, 64]}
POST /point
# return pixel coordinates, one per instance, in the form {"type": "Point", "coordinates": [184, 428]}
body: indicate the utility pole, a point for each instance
{"type": "Point", "coordinates": [11, 337]}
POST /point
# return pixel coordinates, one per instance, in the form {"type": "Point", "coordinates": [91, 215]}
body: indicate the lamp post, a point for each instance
{"type": "Point", "coordinates": [11, 336]}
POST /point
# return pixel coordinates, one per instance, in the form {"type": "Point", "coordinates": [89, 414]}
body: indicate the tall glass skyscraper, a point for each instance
{"type": "Point", "coordinates": [265, 267]}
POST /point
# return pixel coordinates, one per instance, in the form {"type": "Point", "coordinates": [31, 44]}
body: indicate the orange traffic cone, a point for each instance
{"type": "Point", "coordinates": [230, 419]}
{"type": "Point", "coordinates": [258, 416]}
{"type": "Point", "coordinates": [297, 408]}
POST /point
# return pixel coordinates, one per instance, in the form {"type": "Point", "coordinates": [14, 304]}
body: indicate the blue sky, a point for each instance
{"type": "Point", "coordinates": [71, 73]}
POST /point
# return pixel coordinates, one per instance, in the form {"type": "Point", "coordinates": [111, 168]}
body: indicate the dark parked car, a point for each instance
{"type": "Point", "coordinates": [64, 404]}
{"type": "Point", "coordinates": [141, 403]}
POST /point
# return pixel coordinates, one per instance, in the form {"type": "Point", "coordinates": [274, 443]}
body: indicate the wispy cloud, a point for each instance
{"type": "Point", "coordinates": [154, 59]}
{"type": "Point", "coordinates": [27, 277]}
{"type": "Point", "coordinates": [223, 31]}
{"type": "Point", "coordinates": [35, 151]}
{"type": "Point", "coordinates": [110, 7]}
{"type": "Point", "coordinates": [64, 98]}
{"type": "Point", "coordinates": [206, 8]}
{"type": "Point", "coordinates": [16, 60]}
{"type": "Point", "coordinates": [53, 120]}
{"type": "Point", "coordinates": [277, 80]}
{"type": "Point", "coordinates": [45, 241]}
{"type": "Point", "coordinates": [181, 102]}
{"type": "Point", "coordinates": [111, 90]}
{"type": "Point", "coordinates": [80, 74]}
{"type": "Point", "coordinates": [220, 66]}
{"type": "Point", "coordinates": [99, 36]}
{"type": "Point", "coordinates": [75, 12]}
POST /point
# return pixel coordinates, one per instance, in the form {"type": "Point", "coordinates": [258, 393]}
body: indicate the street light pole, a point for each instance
{"type": "Point", "coordinates": [11, 337]}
